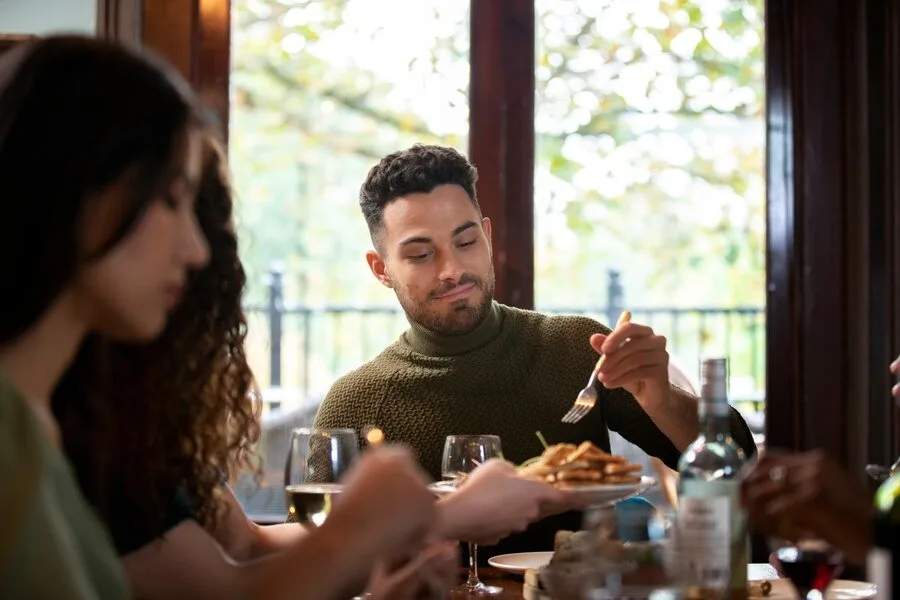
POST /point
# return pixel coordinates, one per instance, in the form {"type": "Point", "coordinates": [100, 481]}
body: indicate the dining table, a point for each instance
{"type": "Point", "coordinates": [513, 584]}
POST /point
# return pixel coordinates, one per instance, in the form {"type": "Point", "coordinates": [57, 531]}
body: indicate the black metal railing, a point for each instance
{"type": "Point", "coordinates": [308, 347]}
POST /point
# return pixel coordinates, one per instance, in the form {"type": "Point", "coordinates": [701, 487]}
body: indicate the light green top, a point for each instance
{"type": "Point", "coordinates": [52, 545]}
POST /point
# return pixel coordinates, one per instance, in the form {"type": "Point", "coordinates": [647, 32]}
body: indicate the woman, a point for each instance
{"type": "Point", "coordinates": [99, 163]}
{"type": "Point", "coordinates": [90, 241]}
{"type": "Point", "coordinates": [183, 414]}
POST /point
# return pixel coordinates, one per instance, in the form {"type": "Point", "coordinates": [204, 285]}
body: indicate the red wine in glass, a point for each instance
{"type": "Point", "coordinates": [811, 567]}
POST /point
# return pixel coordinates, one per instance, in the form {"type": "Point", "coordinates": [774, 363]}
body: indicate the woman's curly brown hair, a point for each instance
{"type": "Point", "coordinates": [144, 423]}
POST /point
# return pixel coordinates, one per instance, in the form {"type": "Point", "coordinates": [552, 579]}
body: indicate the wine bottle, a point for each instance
{"type": "Point", "coordinates": [711, 533]}
{"type": "Point", "coordinates": [882, 562]}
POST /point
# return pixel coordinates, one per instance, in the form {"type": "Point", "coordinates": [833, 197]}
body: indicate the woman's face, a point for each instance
{"type": "Point", "coordinates": [129, 292]}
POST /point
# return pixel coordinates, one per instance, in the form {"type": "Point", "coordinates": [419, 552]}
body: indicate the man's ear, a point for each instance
{"type": "Point", "coordinates": [379, 268]}
{"type": "Point", "coordinates": [486, 226]}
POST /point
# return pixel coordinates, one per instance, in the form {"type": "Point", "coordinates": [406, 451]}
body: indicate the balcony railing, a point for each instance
{"type": "Point", "coordinates": [305, 348]}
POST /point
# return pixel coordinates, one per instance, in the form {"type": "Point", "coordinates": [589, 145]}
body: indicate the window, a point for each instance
{"type": "Point", "coordinates": [320, 91]}
{"type": "Point", "coordinates": [649, 182]}
{"type": "Point", "coordinates": [649, 178]}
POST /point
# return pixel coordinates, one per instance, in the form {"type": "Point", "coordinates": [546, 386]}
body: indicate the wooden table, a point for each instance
{"type": "Point", "coordinates": [511, 584]}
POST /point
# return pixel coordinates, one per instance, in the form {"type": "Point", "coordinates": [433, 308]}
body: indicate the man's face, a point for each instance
{"type": "Point", "coordinates": [436, 256]}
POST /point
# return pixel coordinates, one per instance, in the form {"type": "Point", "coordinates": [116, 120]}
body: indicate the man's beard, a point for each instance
{"type": "Point", "coordinates": [461, 318]}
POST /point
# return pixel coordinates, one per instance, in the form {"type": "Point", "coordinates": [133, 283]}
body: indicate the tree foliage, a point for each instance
{"type": "Point", "coordinates": [650, 139]}
{"type": "Point", "coordinates": [650, 136]}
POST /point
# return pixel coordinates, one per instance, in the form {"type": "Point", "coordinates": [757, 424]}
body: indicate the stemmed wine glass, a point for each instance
{"type": "Point", "coordinates": [462, 454]}
{"type": "Point", "coordinates": [316, 460]}
{"type": "Point", "coordinates": [811, 565]}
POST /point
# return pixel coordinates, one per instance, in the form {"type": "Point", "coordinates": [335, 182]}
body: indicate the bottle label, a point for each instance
{"type": "Point", "coordinates": [878, 569]}
{"type": "Point", "coordinates": [710, 538]}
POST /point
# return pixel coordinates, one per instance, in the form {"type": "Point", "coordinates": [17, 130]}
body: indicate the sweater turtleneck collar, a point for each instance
{"type": "Point", "coordinates": [430, 343]}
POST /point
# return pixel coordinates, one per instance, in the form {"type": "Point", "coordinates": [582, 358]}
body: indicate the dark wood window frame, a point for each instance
{"type": "Point", "coordinates": [833, 134]}
{"type": "Point", "coordinates": [8, 41]}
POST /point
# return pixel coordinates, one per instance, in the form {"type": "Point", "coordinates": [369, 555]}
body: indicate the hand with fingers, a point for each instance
{"type": "Point", "coordinates": [428, 576]}
{"type": "Point", "coordinates": [495, 501]}
{"type": "Point", "coordinates": [788, 495]}
{"type": "Point", "coordinates": [635, 360]}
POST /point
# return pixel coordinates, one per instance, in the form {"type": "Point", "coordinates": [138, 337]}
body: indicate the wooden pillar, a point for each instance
{"type": "Point", "coordinates": [193, 35]}
{"type": "Point", "coordinates": [501, 137]}
{"type": "Point", "coordinates": [832, 260]}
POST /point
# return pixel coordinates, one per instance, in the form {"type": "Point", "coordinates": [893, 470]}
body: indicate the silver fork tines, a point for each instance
{"type": "Point", "coordinates": [586, 399]}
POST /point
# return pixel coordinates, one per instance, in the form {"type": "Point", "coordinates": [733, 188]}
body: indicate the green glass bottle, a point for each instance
{"type": "Point", "coordinates": [882, 563]}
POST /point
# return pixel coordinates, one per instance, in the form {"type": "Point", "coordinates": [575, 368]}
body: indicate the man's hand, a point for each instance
{"type": "Point", "coordinates": [495, 501]}
{"type": "Point", "coordinates": [636, 360]}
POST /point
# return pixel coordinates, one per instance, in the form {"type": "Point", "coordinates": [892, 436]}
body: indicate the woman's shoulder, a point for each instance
{"type": "Point", "coordinates": [22, 449]}
{"type": "Point", "coordinates": [46, 525]}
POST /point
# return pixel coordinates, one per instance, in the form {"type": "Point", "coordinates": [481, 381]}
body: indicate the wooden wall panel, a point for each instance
{"type": "Point", "coordinates": [193, 35]}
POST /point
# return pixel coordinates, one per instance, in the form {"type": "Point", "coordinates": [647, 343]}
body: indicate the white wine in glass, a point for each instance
{"type": "Point", "coordinates": [317, 459]}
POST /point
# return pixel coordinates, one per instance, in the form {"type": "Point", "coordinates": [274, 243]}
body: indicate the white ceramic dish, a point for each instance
{"type": "Point", "coordinates": [610, 493]}
{"type": "Point", "coordinates": [595, 495]}
{"type": "Point", "coordinates": [521, 561]}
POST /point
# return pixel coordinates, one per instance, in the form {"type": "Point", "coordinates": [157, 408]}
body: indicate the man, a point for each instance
{"type": "Point", "coordinates": [468, 364]}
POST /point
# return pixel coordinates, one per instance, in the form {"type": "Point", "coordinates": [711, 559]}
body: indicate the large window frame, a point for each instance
{"type": "Point", "coordinates": [833, 144]}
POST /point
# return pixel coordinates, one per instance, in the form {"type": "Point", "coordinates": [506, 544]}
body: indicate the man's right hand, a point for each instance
{"type": "Point", "coordinates": [385, 503]}
{"type": "Point", "coordinates": [495, 501]}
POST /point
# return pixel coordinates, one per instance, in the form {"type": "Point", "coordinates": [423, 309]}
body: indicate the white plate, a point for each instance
{"type": "Point", "coordinates": [595, 495]}
{"type": "Point", "coordinates": [610, 493]}
{"type": "Point", "coordinates": [520, 562]}
{"type": "Point", "coordinates": [840, 589]}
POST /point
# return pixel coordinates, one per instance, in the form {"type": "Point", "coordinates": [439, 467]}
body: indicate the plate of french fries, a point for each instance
{"type": "Point", "coordinates": [587, 470]}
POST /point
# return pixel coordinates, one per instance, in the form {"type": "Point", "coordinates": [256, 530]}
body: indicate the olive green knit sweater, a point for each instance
{"type": "Point", "coordinates": [517, 373]}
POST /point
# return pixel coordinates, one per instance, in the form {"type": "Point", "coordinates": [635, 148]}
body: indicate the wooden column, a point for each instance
{"type": "Point", "coordinates": [193, 35]}
{"type": "Point", "coordinates": [883, 228]}
{"type": "Point", "coordinates": [501, 137]}
{"type": "Point", "coordinates": [832, 190]}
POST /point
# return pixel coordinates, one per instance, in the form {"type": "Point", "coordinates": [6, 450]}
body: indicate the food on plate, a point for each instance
{"type": "Point", "coordinates": [580, 557]}
{"type": "Point", "coordinates": [759, 589]}
{"type": "Point", "coordinates": [586, 464]}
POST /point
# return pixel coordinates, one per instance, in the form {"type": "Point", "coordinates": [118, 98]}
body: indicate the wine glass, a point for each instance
{"type": "Point", "coordinates": [811, 565]}
{"type": "Point", "coordinates": [462, 454]}
{"type": "Point", "coordinates": [316, 460]}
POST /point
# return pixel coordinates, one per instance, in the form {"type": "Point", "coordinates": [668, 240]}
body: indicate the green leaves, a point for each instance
{"type": "Point", "coordinates": [649, 126]}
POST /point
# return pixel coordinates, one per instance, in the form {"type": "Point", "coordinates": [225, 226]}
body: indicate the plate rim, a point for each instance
{"type": "Point", "coordinates": [646, 480]}
{"type": "Point", "coordinates": [518, 569]}
{"type": "Point", "coordinates": [854, 584]}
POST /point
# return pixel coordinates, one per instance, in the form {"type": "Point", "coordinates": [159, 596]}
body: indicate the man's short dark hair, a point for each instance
{"type": "Point", "coordinates": [417, 170]}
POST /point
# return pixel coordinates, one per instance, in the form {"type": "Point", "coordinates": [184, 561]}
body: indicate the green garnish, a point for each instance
{"type": "Point", "coordinates": [530, 461]}
{"type": "Point", "coordinates": [543, 441]}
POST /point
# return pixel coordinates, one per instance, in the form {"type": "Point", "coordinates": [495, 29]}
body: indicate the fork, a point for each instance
{"type": "Point", "coordinates": [587, 397]}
